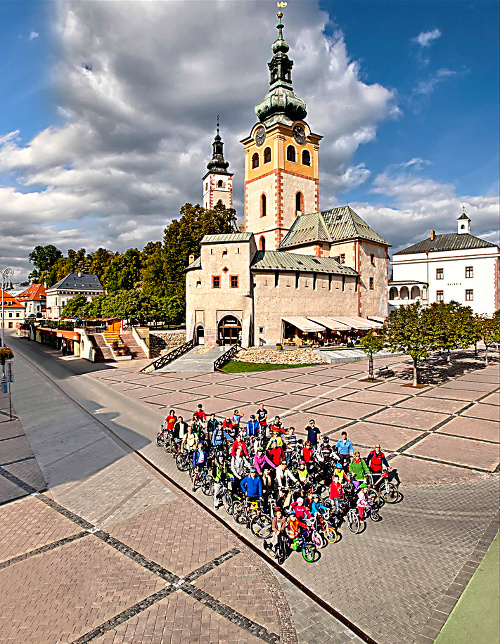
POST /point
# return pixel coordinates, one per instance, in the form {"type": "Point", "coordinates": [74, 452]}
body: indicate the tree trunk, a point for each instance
{"type": "Point", "coordinates": [370, 366]}
{"type": "Point", "coordinates": [415, 372]}
{"type": "Point", "coordinates": [485, 354]}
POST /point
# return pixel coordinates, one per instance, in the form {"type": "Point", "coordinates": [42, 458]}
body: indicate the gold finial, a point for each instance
{"type": "Point", "coordinates": [281, 5]}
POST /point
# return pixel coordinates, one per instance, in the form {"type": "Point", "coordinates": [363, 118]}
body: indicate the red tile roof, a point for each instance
{"type": "Point", "coordinates": [10, 302]}
{"type": "Point", "coordinates": [35, 292]}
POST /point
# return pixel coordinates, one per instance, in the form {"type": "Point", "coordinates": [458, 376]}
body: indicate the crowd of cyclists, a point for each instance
{"type": "Point", "coordinates": [294, 494]}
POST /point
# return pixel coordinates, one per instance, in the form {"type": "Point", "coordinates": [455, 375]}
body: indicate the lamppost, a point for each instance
{"type": "Point", "coordinates": [7, 273]}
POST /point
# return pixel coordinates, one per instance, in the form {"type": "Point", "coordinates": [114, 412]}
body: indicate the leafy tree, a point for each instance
{"type": "Point", "coordinates": [153, 274]}
{"type": "Point", "coordinates": [122, 304]}
{"type": "Point", "coordinates": [75, 307]}
{"type": "Point", "coordinates": [488, 330]}
{"type": "Point", "coordinates": [99, 261]}
{"type": "Point", "coordinates": [123, 272]}
{"type": "Point", "coordinates": [43, 258]}
{"type": "Point", "coordinates": [407, 330]}
{"type": "Point", "coordinates": [452, 326]}
{"type": "Point", "coordinates": [371, 344]}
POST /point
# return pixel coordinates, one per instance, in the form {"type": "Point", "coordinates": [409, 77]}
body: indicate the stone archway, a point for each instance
{"type": "Point", "coordinates": [229, 330]}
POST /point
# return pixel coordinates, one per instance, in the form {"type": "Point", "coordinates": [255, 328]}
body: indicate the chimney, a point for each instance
{"type": "Point", "coordinates": [191, 259]}
{"type": "Point", "coordinates": [433, 235]}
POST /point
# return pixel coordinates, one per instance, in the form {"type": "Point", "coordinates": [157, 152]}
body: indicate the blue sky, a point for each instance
{"type": "Point", "coordinates": [405, 94]}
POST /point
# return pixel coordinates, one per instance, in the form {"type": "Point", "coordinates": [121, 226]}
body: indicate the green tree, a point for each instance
{"type": "Point", "coordinates": [99, 261]}
{"type": "Point", "coordinates": [122, 304]}
{"type": "Point", "coordinates": [452, 326]}
{"type": "Point", "coordinates": [407, 330]}
{"type": "Point", "coordinates": [43, 258]}
{"type": "Point", "coordinates": [488, 330]}
{"type": "Point", "coordinates": [153, 274]}
{"type": "Point", "coordinates": [75, 307]}
{"type": "Point", "coordinates": [371, 344]}
{"type": "Point", "coordinates": [123, 271]}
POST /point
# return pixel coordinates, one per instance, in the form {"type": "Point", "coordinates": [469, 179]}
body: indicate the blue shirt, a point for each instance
{"type": "Point", "coordinates": [312, 434]}
{"type": "Point", "coordinates": [344, 448]}
{"type": "Point", "coordinates": [253, 427]}
{"type": "Point", "coordinates": [252, 487]}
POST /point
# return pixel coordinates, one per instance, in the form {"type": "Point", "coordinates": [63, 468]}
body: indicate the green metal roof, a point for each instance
{"type": "Point", "coordinates": [226, 238]}
{"type": "Point", "coordinates": [194, 265]}
{"type": "Point", "coordinates": [334, 225]}
{"type": "Point", "coordinates": [274, 260]}
{"type": "Point", "coordinates": [448, 241]}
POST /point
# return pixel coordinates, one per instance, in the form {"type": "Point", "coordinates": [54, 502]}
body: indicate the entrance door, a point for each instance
{"type": "Point", "coordinates": [229, 330]}
{"type": "Point", "coordinates": [200, 335]}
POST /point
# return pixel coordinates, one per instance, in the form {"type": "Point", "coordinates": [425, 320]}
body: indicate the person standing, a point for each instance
{"type": "Point", "coordinates": [344, 449]}
{"type": "Point", "coordinates": [312, 433]}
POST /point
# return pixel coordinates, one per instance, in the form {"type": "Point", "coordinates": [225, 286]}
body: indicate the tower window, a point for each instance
{"type": "Point", "coordinates": [267, 155]}
{"type": "Point", "coordinates": [220, 183]}
{"type": "Point", "coordinates": [255, 160]}
{"type": "Point", "coordinates": [299, 203]}
{"type": "Point", "coordinates": [342, 258]}
{"type": "Point", "coordinates": [234, 281]}
{"type": "Point", "coordinates": [262, 243]}
{"type": "Point", "coordinates": [206, 186]}
{"type": "Point", "coordinates": [290, 154]}
{"type": "Point", "coordinates": [263, 205]}
{"type": "Point", "coordinates": [372, 283]}
{"type": "Point", "coordinates": [215, 281]}
{"type": "Point", "coordinates": [372, 259]}
{"type": "Point", "coordinates": [306, 157]}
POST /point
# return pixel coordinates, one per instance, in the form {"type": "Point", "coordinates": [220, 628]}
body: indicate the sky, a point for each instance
{"type": "Point", "coordinates": [108, 111]}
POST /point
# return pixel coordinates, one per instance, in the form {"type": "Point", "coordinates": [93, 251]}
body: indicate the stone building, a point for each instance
{"type": "Point", "coordinates": [294, 272]}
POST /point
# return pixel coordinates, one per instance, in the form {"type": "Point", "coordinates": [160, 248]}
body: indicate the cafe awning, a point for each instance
{"type": "Point", "coordinates": [358, 323]}
{"type": "Point", "coordinates": [304, 325]}
{"type": "Point", "coordinates": [331, 324]}
{"type": "Point", "coordinates": [376, 318]}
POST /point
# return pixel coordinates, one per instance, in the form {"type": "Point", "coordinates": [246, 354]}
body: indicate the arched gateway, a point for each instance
{"type": "Point", "coordinates": [229, 330]}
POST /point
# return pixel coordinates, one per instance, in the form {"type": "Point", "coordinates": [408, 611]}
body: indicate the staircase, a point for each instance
{"type": "Point", "coordinates": [135, 350]}
{"type": "Point", "coordinates": [101, 350]}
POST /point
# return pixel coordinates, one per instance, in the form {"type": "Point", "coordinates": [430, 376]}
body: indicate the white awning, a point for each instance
{"type": "Point", "coordinates": [331, 324]}
{"type": "Point", "coordinates": [305, 325]}
{"type": "Point", "coordinates": [376, 318]}
{"type": "Point", "coordinates": [358, 323]}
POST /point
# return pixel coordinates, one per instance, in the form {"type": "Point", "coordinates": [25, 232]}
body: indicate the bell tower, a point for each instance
{"type": "Point", "coordinates": [217, 182]}
{"type": "Point", "coordinates": [281, 156]}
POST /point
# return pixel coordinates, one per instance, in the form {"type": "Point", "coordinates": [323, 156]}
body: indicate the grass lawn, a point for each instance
{"type": "Point", "coordinates": [236, 366]}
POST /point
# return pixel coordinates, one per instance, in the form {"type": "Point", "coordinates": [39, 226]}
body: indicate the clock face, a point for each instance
{"type": "Point", "coordinates": [299, 135]}
{"type": "Point", "coordinates": [260, 135]}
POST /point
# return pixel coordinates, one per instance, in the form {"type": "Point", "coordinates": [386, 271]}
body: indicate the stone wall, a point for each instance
{"type": "Point", "coordinates": [161, 342]}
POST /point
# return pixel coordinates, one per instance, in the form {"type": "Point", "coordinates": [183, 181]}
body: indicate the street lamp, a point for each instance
{"type": "Point", "coordinates": [7, 273]}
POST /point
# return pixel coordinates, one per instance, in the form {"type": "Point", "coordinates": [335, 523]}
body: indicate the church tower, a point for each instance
{"type": "Point", "coordinates": [218, 182]}
{"type": "Point", "coordinates": [281, 157]}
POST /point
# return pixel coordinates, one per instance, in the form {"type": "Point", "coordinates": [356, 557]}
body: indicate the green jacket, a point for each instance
{"type": "Point", "coordinates": [358, 469]}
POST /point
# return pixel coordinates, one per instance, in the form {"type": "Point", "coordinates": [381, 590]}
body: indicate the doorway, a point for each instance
{"type": "Point", "coordinates": [229, 330]}
{"type": "Point", "coordinates": [200, 335]}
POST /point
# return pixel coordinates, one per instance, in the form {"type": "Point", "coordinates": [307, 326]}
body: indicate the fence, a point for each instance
{"type": "Point", "coordinates": [160, 362]}
{"type": "Point", "coordinates": [226, 357]}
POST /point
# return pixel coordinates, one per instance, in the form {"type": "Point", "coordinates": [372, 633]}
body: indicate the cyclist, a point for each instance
{"type": "Point", "coordinates": [200, 414]}
{"type": "Point", "coordinates": [261, 460]}
{"type": "Point", "coordinates": [277, 426]}
{"type": "Point", "coordinates": [299, 509]}
{"type": "Point", "coordinates": [236, 420]}
{"type": "Point", "coordinates": [336, 492]}
{"type": "Point", "coordinates": [317, 506]}
{"type": "Point", "coordinates": [344, 449]}
{"type": "Point", "coordinates": [278, 527]}
{"type": "Point", "coordinates": [276, 453]}
{"type": "Point", "coordinates": [199, 462]}
{"type": "Point", "coordinates": [220, 476]}
{"type": "Point", "coordinates": [358, 468]}
{"type": "Point", "coordinates": [339, 472]}
{"type": "Point", "coordinates": [239, 466]}
{"type": "Point", "coordinates": [218, 435]}
{"type": "Point", "coordinates": [239, 443]}
{"type": "Point", "coordinates": [253, 426]}
{"type": "Point", "coordinates": [252, 486]}
{"type": "Point", "coordinates": [262, 418]}
{"type": "Point", "coordinates": [180, 430]}
{"type": "Point", "coordinates": [170, 421]}
{"type": "Point", "coordinates": [362, 502]}
{"type": "Point", "coordinates": [313, 432]}
{"type": "Point", "coordinates": [290, 443]}
{"type": "Point", "coordinates": [307, 452]}
{"type": "Point", "coordinates": [284, 478]}
{"type": "Point", "coordinates": [376, 461]}
{"type": "Point", "coordinates": [303, 474]}
{"type": "Point", "coordinates": [190, 441]}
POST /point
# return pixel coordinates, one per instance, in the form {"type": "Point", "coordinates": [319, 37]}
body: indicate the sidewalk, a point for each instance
{"type": "Point", "coordinates": [476, 616]}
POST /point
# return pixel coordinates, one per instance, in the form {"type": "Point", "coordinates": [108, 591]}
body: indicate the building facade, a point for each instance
{"type": "Point", "coordinates": [454, 266]}
{"type": "Point", "coordinates": [294, 272]}
{"type": "Point", "coordinates": [13, 310]}
{"type": "Point", "coordinates": [34, 299]}
{"type": "Point", "coordinates": [217, 182]}
{"type": "Point", "coordinates": [73, 284]}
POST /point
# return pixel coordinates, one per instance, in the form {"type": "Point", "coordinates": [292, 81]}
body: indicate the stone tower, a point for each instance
{"type": "Point", "coordinates": [281, 157]}
{"type": "Point", "coordinates": [218, 182]}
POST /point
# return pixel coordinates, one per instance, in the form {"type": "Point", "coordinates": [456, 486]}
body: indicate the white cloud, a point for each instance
{"type": "Point", "coordinates": [426, 38]}
{"type": "Point", "coordinates": [139, 87]}
{"type": "Point", "coordinates": [33, 35]}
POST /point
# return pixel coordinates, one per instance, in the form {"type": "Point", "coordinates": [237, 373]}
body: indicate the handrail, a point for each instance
{"type": "Point", "coordinates": [160, 362]}
{"type": "Point", "coordinates": [226, 357]}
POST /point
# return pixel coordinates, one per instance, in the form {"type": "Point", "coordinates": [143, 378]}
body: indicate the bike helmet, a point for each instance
{"type": "Point", "coordinates": [339, 466]}
{"type": "Point", "coordinates": [363, 485]}
{"type": "Point", "coordinates": [326, 439]}
{"type": "Point", "coordinates": [260, 448]}
{"type": "Point", "coordinates": [302, 462]}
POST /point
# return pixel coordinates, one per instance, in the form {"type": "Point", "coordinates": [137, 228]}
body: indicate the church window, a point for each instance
{"type": "Point", "coordinates": [267, 155]}
{"type": "Point", "coordinates": [372, 283]}
{"type": "Point", "coordinates": [234, 281]}
{"type": "Point", "coordinates": [263, 205]}
{"type": "Point", "coordinates": [306, 157]}
{"type": "Point", "coordinates": [299, 203]}
{"type": "Point", "coordinates": [255, 160]}
{"type": "Point", "coordinates": [220, 183]}
{"type": "Point", "coordinates": [262, 243]}
{"type": "Point", "coordinates": [215, 281]}
{"type": "Point", "coordinates": [290, 154]}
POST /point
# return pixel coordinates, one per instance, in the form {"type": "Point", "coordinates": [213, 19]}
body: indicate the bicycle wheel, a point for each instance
{"type": "Point", "coordinates": [353, 522]}
{"type": "Point", "coordinates": [309, 553]}
{"type": "Point", "coordinates": [374, 497]}
{"type": "Point", "coordinates": [317, 539]}
{"type": "Point", "coordinates": [169, 445]}
{"type": "Point", "coordinates": [207, 486]}
{"type": "Point", "coordinates": [390, 493]}
{"type": "Point", "coordinates": [374, 515]}
{"type": "Point", "coordinates": [182, 462]}
{"type": "Point", "coordinates": [160, 440]}
{"type": "Point", "coordinates": [239, 513]}
{"type": "Point", "coordinates": [227, 502]}
{"type": "Point", "coordinates": [261, 526]}
{"type": "Point", "coordinates": [332, 536]}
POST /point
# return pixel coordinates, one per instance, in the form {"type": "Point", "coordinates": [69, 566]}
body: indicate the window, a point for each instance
{"type": "Point", "coordinates": [469, 295]}
{"type": "Point", "coordinates": [17, 314]}
{"type": "Point", "coordinates": [343, 282]}
{"type": "Point", "coordinates": [263, 205]}
{"type": "Point", "coordinates": [206, 186]}
{"type": "Point", "coordinates": [220, 183]}
{"type": "Point", "coordinates": [330, 282]}
{"type": "Point", "coordinates": [372, 283]}
{"type": "Point", "coordinates": [255, 160]}
{"type": "Point", "coordinates": [224, 251]}
{"type": "Point", "coordinates": [198, 283]}
{"type": "Point", "coordinates": [372, 259]}
{"type": "Point", "coordinates": [306, 157]}
{"type": "Point", "coordinates": [262, 329]}
{"type": "Point", "coordinates": [233, 281]}
{"type": "Point", "coordinates": [267, 155]}
{"type": "Point", "coordinates": [10, 314]}
{"type": "Point", "coordinates": [439, 296]}
{"type": "Point", "coordinates": [262, 243]}
{"type": "Point", "coordinates": [276, 279]}
{"type": "Point", "coordinates": [290, 154]}
{"type": "Point", "coordinates": [238, 251]}
{"type": "Point", "coordinates": [469, 271]}
{"type": "Point", "coordinates": [314, 281]}
{"type": "Point", "coordinates": [440, 273]}
{"type": "Point", "coordinates": [299, 203]}
{"type": "Point", "coordinates": [215, 281]}
{"type": "Point", "coordinates": [342, 258]}
{"type": "Point", "coordinates": [297, 277]}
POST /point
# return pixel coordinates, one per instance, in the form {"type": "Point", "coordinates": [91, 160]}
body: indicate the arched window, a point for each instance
{"type": "Point", "coordinates": [299, 203]}
{"type": "Point", "coordinates": [306, 157]}
{"type": "Point", "coordinates": [255, 160]}
{"type": "Point", "coordinates": [393, 293]}
{"type": "Point", "coordinates": [290, 154]}
{"type": "Point", "coordinates": [262, 243]}
{"type": "Point", "coordinates": [267, 155]}
{"type": "Point", "coordinates": [263, 205]}
{"type": "Point", "coordinates": [404, 293]}
{"type": "Point", "coordinates": [415, 292]}
{"type": "Point", "coordinates": [220, 183]}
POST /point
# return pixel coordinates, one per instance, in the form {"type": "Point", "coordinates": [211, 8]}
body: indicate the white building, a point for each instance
{"type": "Point", "coordinates": [454, 266]}
{"type": "Point", "coordinates": [73, 284]}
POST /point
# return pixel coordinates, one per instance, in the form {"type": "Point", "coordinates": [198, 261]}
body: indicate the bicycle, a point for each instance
{"type": "Point", "coordinates": [309, 551]}
{"type": "Point", "coordinates": [387, 491]}
{"type": "Point", "coordinates": [161, 438]}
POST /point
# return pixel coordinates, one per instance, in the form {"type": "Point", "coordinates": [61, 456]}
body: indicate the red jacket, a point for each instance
{"type": "Point", "coordinates": [307, 454]}
{"type": "Point", "coordinates": [336, 491]}
{"type": "Point", "coordinates": [241, 444]}
{"type": "Point", "coordinates": [276, 455]}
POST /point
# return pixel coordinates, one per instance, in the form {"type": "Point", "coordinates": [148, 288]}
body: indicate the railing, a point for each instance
{"type": "Point", "coordinates": [160, 362]}
{"type": "Point", "coordinates": [226, 357]}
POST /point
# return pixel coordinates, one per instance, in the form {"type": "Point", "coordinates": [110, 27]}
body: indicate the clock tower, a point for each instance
{"type": "Point", "coordinates": [281, 157]}
{"type": "Point", "coordinates": [218, 182]}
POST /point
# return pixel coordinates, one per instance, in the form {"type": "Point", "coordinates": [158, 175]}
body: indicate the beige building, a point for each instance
{"type": "Point", "coordinates": [290, 275]}
{"type": "Point", "coordinates": [73, 284]}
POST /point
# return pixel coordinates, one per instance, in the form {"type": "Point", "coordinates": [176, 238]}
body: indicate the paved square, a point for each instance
{"type": "Point", "coordinates": [343, 409]}
{"type": "Point", "coordinates": [422, 472]}
{"type": "Point", "coordinates": [413, 419]}
{"type": "Point", "coordinates": [486, 412]}
{"type": "Point", "coordinates": [470, 385]}
{"type": "Point", "coordinates": [453, 394]}
{"type": "Point", "coordinates": [368, 433]}
{"type": "Point", "coordinates": [375, 397]}
{"type": "Point", "coordinates": [492, 399]}
{"type": "Point", "coordinates": [460, 451]}
{"type": "Point", "coordinates": [481, 429]}
{"type": "Point", "coordinates": [443, 405]}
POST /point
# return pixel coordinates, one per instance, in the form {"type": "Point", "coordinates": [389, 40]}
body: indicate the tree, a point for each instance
{"type": "Point", "coordinates": [43, 258]}
{"type": "Point", "coordinates": [407, 330]}
{"type": "Point", "coordinates": [99, 261]}
{"type": "Point", "coordinates": [153, 278]}
{"type": "Point", "coordinates": [123, 272]}
{"type": "Point", "coordinates": [371, 344]}
{"type": "Point", "coordinates": [122, 304]}
{"type": "Point", "coordinates": [488, 330]}
{"type": "Point", "coordinates": [452, 326]}
{"type": "Point", "coordinates": [75, 307]}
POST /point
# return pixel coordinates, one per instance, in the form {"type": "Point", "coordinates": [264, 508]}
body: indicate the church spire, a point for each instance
{"type": "Point", "coordinates": [217, 163]}
{"type": "Point", "coordinates": [281, 103]}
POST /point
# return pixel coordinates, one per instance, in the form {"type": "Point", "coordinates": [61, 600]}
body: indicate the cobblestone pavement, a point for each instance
{"type": "Point", "coordinates": [395, 588]}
